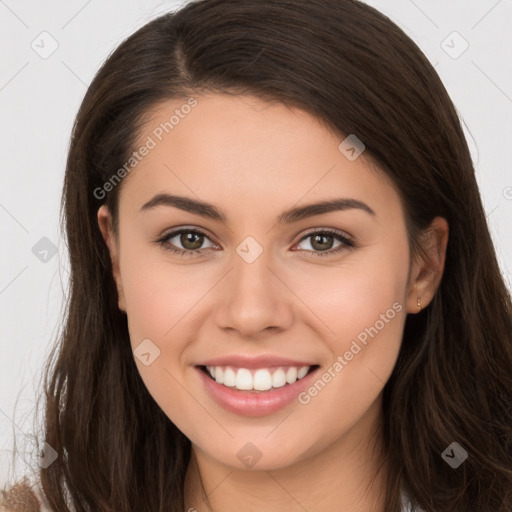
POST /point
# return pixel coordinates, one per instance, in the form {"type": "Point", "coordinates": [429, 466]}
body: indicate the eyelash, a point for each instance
{"type": "Point", "coordinates": [346, 242]}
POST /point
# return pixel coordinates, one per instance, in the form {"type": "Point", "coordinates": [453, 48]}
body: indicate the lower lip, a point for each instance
{"type": "Point", "coordinates": [246, 403]}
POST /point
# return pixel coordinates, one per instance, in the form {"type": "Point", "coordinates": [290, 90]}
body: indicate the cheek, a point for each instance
{"type": "Point", "coordinates": [158, 294]}
{"type": "Point", "coordinates": [360, 307]}
{"type": "Point", "coordinates": [351, 296]}
{"type": "Point", "coordinates": [160, 299]}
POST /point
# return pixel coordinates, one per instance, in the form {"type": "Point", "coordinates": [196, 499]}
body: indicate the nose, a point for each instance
{"type": "Point", "coordinates": [254, 299]}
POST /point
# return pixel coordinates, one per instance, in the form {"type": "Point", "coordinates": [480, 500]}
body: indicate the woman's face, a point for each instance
{"type": "Point", "coordinates": [264, 284]}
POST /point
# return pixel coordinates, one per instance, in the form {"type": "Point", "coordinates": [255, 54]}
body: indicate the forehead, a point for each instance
{"type": "Point", "coordinates": [241, 150]}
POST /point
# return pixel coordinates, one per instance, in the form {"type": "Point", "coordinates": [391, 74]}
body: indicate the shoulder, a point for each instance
{"type": "Point", "coordinates": [19, 498]}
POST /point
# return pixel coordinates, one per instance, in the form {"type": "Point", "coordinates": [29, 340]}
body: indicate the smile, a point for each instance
{"type": "Point", "coordinates": [262, 379]}
{"type": "Point", "coordinates": [255, 391]}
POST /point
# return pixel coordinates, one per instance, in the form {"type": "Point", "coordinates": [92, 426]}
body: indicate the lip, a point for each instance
{"type": "Point", "coordinates": [246, 403]}
{"type": "Point", "coordinates": [263, 361]}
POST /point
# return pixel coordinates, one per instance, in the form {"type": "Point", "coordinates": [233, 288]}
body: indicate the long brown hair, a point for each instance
{"type": "Point", "coordinates": [354, 69]}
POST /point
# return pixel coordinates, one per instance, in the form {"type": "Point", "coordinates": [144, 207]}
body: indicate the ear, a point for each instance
{"type": "Point", "coordinates": [427, 270]}
{"type": "Point", "coordinates": [105, 224]}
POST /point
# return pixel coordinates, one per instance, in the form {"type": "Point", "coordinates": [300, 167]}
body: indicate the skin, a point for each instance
{"type": "Point", "coordinates": [253, 160]}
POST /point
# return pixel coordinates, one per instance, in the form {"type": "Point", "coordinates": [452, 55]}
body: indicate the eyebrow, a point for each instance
{"type": "Point", "coordinates": [295, 214]}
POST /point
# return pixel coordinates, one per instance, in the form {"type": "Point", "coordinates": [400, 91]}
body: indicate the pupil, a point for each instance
{"type": "Point", "coordinates": [316, 237]}
{"type": "Point", "coordinates": [186, 238]}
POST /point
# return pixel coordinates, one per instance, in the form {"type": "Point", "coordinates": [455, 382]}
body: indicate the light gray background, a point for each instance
{"type": "Point", "coordinates": [39, 99]}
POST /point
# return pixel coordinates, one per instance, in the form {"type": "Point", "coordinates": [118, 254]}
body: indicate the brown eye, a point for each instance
{"type": "Point", "coordinates": [321, 242]}
{"type": "Point", "coordinates": [191, 242]}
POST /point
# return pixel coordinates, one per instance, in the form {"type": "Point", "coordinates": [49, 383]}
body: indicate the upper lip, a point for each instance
{"type": "Point", "coordinates": [263, 361]}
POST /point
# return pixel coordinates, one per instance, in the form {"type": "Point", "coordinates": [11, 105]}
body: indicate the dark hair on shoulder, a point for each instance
{"type": "Point", "coordinates": [352, 68]}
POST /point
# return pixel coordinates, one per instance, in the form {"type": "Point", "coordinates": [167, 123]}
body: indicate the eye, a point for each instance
{"type": "Point", "coordinates": [190, 239]}
{"type": "Point", "coordinates": [322, 242]}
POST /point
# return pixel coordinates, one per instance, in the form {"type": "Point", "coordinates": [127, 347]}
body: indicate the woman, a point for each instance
{"type": "Point", "coordinates": [284, 294]}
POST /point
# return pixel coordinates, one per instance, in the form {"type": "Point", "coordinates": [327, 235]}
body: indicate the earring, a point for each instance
{"type": "Point", "coordinates": [419, 304]}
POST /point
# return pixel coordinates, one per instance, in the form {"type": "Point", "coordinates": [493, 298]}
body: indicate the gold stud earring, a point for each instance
{"type": "Point", "coordinates": [419, 304]}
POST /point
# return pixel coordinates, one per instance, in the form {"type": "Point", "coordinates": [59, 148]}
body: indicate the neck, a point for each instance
{"type": "Point", "coordinates": [342, 476]}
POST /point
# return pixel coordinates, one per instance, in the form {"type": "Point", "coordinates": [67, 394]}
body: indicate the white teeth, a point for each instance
{"type": "Point", "coordinates": [243, 379]}
{"type": "Point", "coordinates": [302, 372]}
{"type": "Point", "coordinates": [291, 375]}
{"type": "Point", "coordinates": [261, 379]}
{"type": "Point", "coordinates": [229, 377]}
{"type": "Point", "coordinates": [219, 375]}
{"type": "Point", "coordinates": [279, 378]}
